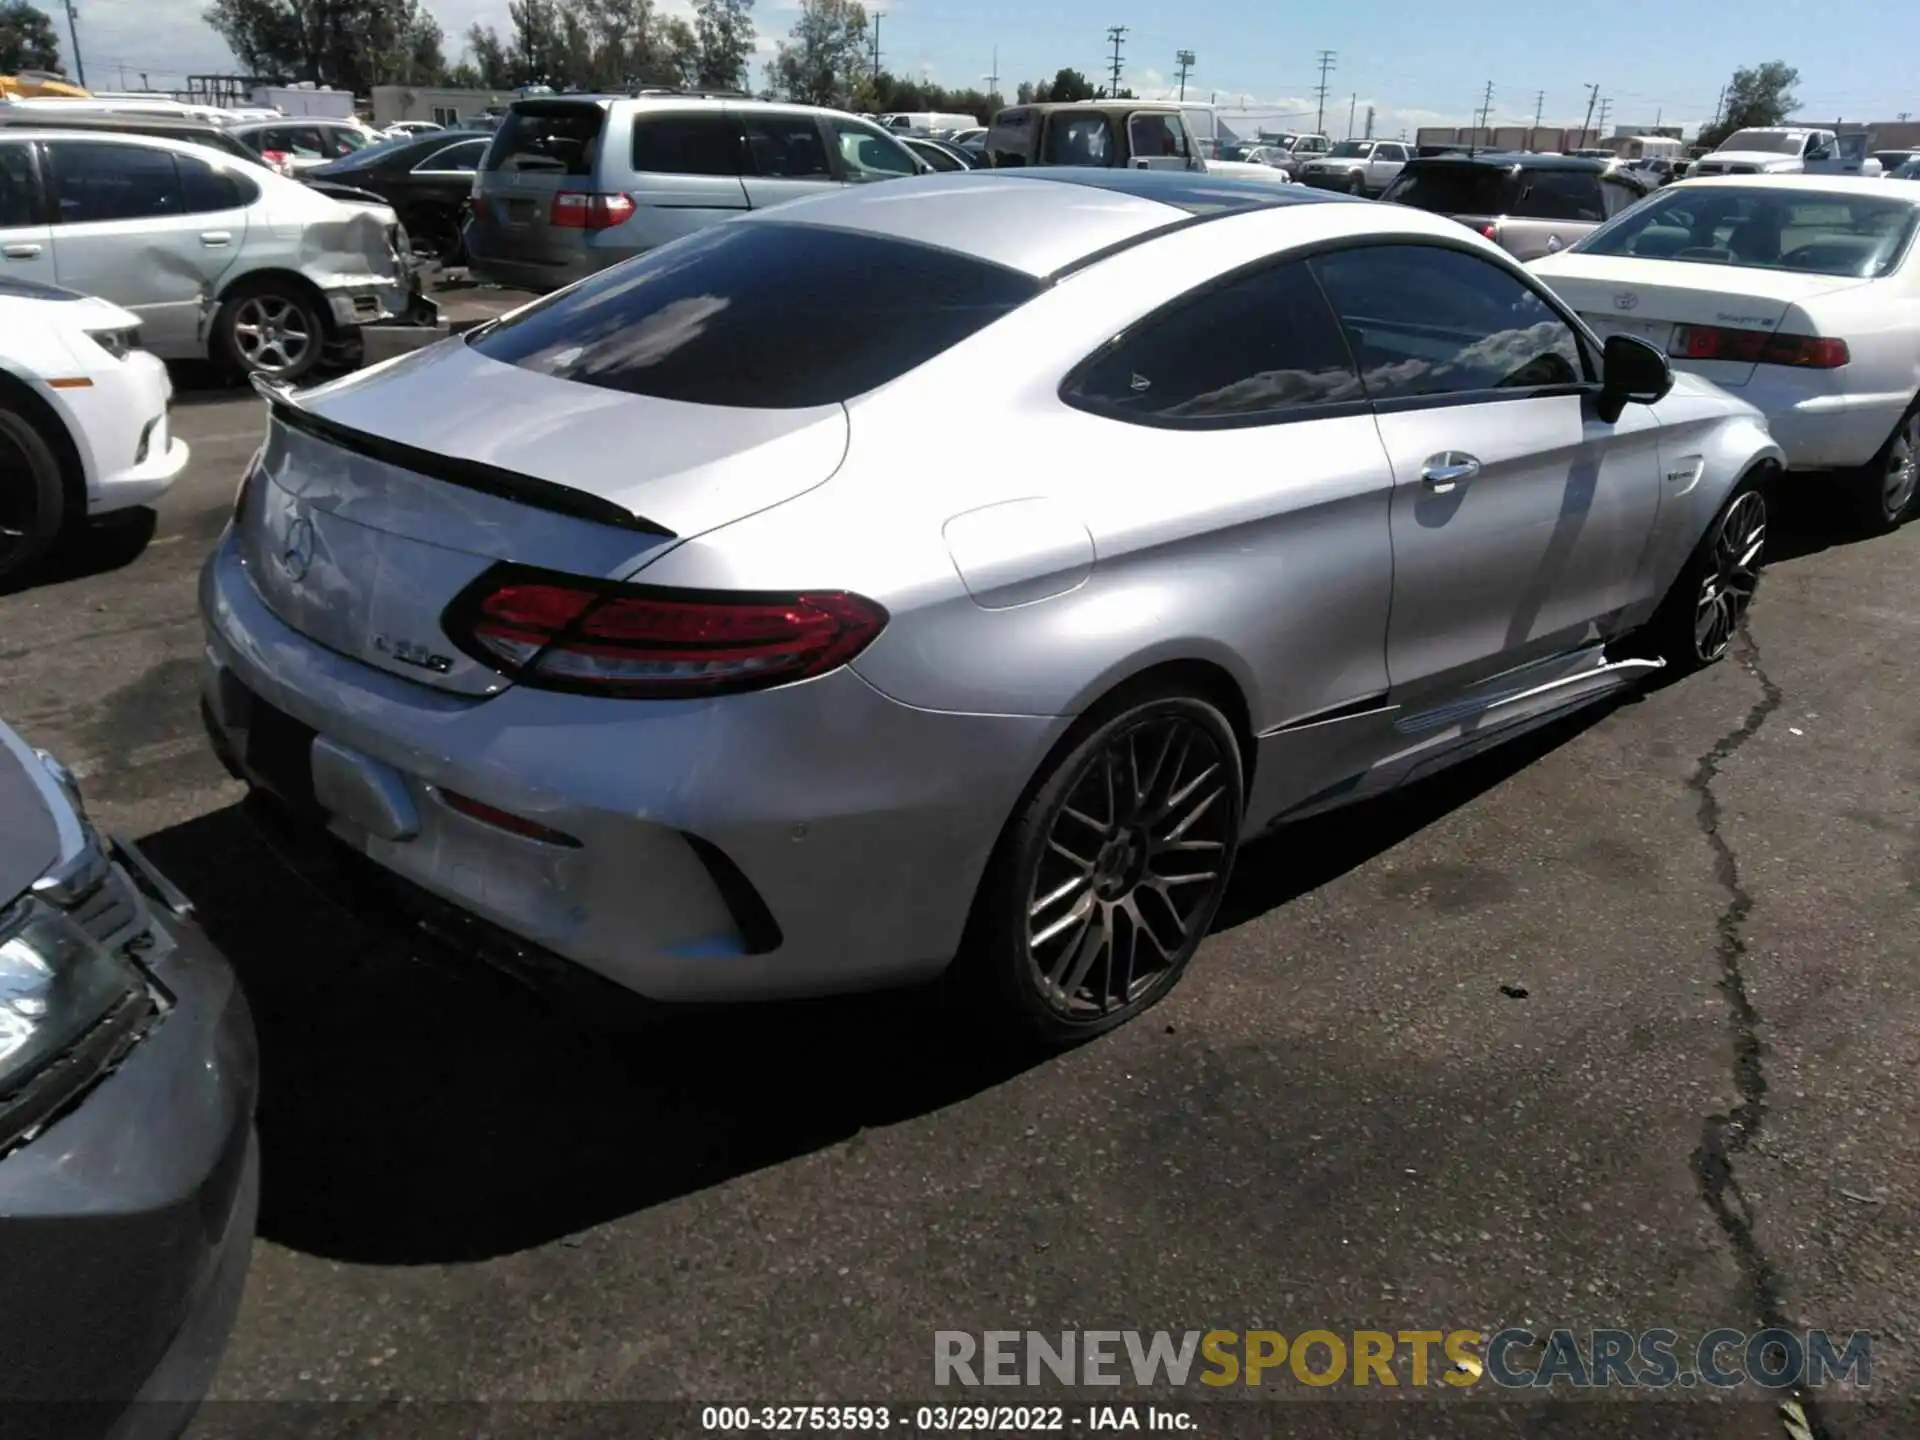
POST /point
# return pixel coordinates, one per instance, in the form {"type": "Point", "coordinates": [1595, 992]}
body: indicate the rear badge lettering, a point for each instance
{"type": "Point", "coordinates": [408, 653]}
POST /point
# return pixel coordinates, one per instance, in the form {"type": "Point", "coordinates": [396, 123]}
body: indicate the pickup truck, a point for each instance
{"type": "Point", "coordinates": [1789, 150]}
{"type": "Point", "coordinates": [1137, 134]}
{"type": "Point", "coordinates": [1529, 205]}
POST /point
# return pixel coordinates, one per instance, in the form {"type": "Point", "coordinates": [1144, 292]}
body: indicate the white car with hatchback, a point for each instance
{"type": "Point", "coordinates": [83, 417]}
{"type": "Point", "coordinates": [1798, 293]}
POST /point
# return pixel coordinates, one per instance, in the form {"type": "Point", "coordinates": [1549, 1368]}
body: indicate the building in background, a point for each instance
{"type": "Point", "coordinates": [319, 101]}
{"type": "Point", "coordinates": [394, 103]}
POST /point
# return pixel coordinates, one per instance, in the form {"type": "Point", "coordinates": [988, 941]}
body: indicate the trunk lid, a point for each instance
{"type": "Point", "coordinates": [379, 498]}
{"type": "Point", "coordinates": [542, 148]}
{"type": "Point", "coordinates": [1645, 298]}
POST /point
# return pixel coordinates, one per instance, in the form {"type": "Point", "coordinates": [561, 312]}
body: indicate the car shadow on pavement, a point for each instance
{"type": "Point", "coordinates": [111, 542]}
{"type": "Point", "coordinates": [417, 1108]}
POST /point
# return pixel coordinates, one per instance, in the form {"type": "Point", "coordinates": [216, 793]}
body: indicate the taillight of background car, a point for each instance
{"type": "Point", "coordinates": [1762, 347]}
{"type": "Point", "coordinates": [581, 210]}
{"type": "Point", "coordinates": [642, 642]}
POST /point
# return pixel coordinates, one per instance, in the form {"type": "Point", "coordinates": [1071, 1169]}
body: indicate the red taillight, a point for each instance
{"type": "Point", "coordinates": [1490, 230]}
{"type": "Point", "coordinates": [644, 643]}
{"type": "Point", "coordinates": [506, 820]}
{"type": "Point", "coordinates": [1757, 347]}
{"type": "Point", "coordinates": [579, 210]}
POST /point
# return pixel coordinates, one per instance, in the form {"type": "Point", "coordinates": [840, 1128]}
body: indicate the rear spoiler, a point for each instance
{"type": "Point", "coordinates": [529, 490]}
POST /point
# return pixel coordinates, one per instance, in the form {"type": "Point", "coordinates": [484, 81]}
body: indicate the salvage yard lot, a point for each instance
{"type": "Point", "coordinates": [1464, 1059]}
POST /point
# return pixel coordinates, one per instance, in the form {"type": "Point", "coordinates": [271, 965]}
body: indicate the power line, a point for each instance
{"type": "Point", "coordinates": [1116, 33]}
{"type": "Point", "coordinates": [1185, 57]}
{"type": "Point", "coordinates": [1327, 58]}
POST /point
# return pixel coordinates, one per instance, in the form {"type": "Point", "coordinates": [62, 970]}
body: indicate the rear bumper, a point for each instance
{"type": "Point", "coordinates": [1823, 431]}
{"type": "Point", "coordinates": [810, 839]}
{"type": "Point", "coordinates": [128, 1223]}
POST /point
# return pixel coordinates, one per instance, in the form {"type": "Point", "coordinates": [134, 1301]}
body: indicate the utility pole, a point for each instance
{"type": "Point", "coordinates": [1185, 57]}
{"type": "Point", "coordinates": [1116, 33]}
{"type": "Point", "coordinates": [1586, 125]}
{"type": "Point", "coordinates": [993, 80]}
{"type": "Point", "coordinates": [73, 29]}
{"type": "Point", "coordinates": [1606, 104]}
{"type": "Point", "coordinates": [1486, 109]}
{"type": "Point", "coordinates": [1539, 108]}
{"type": "Point", "coordinates": [878, 16]}
{"type": "Point", "coordinates": [1369, 134]}
{"type": "Point", "coordinates": [1904, 116]}
{"type": "Point", "coordinates": [1352, 105]}
{"type": "Point", "coordinates": [1327, 58]}
{"type": "Point", "coordinates": [1718, 106]}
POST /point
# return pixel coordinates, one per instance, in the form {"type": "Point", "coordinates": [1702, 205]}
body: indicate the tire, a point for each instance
{"type": "Point", "coordinates": [1888, 486]}
{"type": "Point", "coordinates": [440, 233]}
{"type": "Point", "coordinates": [1357, 186]}
{"type": "Point", "coordinates": [32, 498]}
{"type": "Point", "coordinates": [1696, 622]}
{"type": "Point", "coordinates": [270, 327]}
{"type": "Point", "coordinates": [1088, 913]}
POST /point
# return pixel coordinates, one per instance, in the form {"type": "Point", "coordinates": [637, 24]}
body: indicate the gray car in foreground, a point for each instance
{"type": "Point", "coordinates": [129, 1173]}
{"type": "Point", "coordinates": [672, 626]}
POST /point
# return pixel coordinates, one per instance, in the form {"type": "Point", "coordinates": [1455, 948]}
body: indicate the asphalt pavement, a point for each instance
{"type": "Point", "coordinates": [1615, 1028]}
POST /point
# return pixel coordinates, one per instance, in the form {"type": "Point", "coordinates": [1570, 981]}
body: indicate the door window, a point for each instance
{"type": "Point", "coordinates": [1425, 321]}
{"type": "Point", "coordinates": [1156, 137]}
{"type": "Point", "coordinates": [303, 142]}
{"type": "Point", "coordinates": [95, 181]}
{"type": "Point", "coordinates": [463, 158]}
{"type": "Point", "coordinates": [340, 140]}
{"type": "Point", "coordinates": [446, 115]}
{"type": "Point", "coordinates": [868, 155]}
{"type": "Point", "coordinates": [786, 147]}
{"type": "Point", "coordinates": [1259, 347]}
{"type": "Point", "coordinates": [19, 195]}
{"type": "Point", "coordinates": [1561, 195]}
{"type": "Point", "coordinates": [1078, 140]}
{"type": "Point", "coordinates": [204, 189]}
{"type": "Point", "coordinates": [706, 144]}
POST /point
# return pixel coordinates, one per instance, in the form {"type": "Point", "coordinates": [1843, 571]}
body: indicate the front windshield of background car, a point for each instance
{"type": "Point", "coordinates": [1350, 150]}
{"type": "Point", "coordinates": [1777, 142]}
{"type": "Point", "coordinates": [1763, 229]}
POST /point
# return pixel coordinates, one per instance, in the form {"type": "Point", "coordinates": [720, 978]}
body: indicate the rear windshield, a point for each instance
{"type": "Point", "coordinates": [561, 139]}
{"type": "Point", "coordinates": [1453, 189]}
{"type": "Point", "coordinates": [760, 315]}
{"type": "Point", "coordinates": [1767, 229]}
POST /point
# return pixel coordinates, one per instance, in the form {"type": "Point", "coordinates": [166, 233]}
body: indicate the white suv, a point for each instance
{"type": "Point", "coordinates": [217, 258]}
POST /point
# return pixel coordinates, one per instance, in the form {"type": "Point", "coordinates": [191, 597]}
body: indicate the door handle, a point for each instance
{"type": "Point", "coordinates": [1450, 468]}
{"type": "Point", "coordinates": [21, 252]}
{"type": "Point", "coordinates": [213, 239]}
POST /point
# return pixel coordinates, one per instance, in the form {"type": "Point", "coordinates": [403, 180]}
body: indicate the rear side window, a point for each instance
{"type": "Point", "coordinates": [19, 196]}
{"type": "Point", "coordinates": [1156, 137]}
{"type": "Point", "coordinates": [1257, 347]}
{"type": "Point", "coordinates": [1453, 189]}
{"type": "Point", "coordinates": [205, 188]}
{"type": "Point", "coordinates": [1561, 195]}
{"type": "Point", "coordinates": [786, 147]}
{"type": "Point", "coordinates": [94, 181]}
{"type": "Point", "coordinates": [547, 140]}
{"type": "Point", "coordinates": [707, 144]}
{"type": "Point", "coordinates": [1079, 140]}
{"type": "Point", "coordinates": [760, 315]}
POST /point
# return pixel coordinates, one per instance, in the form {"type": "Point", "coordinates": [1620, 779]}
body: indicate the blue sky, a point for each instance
{"type": "Point", "coordinates": [1419, 64]}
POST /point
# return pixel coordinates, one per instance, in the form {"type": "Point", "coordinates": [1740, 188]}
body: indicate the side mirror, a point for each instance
{"type": "Point", "coordinates": [1632, 373]}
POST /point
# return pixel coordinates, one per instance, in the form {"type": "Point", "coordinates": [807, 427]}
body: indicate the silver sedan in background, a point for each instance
{"type": "Point", "coordinates": [672, 627]}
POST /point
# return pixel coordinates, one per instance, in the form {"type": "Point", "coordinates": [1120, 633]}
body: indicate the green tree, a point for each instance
{"type": "Point", "coordinates": [1762, 95]}
{"type": "Point", "coordinates": [1070, 84]}
{"type": "Point", "coordinates": [492, 66]}
{"type": "Point", "coordinates": [350, 44]}
{"type": "Point", "coordinates": [28, 40]}
{"type": "Point", "coordinates": [824, 57]}
{"type": "Point", "coordinates": [723, 31]}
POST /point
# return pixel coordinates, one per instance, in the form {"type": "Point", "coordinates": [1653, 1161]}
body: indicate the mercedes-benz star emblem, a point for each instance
{"type": "Point", "coordinates": [1625, 300]}
{"type": "Point", "coordinates": [297, 554]}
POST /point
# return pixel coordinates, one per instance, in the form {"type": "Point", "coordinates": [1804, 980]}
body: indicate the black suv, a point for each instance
{"type": "Point", "coordinates": [1529, 205]}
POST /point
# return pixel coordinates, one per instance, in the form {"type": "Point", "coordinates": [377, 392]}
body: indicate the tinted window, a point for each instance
{"type": "Point", "coordinates": [786, 147]}
{"type": "Point", "coordinates": [867, 155]}
{"type": "Point", "coordinates": [1078, 140]}
{"type": "Point", "coordinates": [1427, 321]}
{"type": "Point", "coordinates": [339, 141]}
{"type": "Point", "coordinates": [464, 157]}
{"type": "Point", "coordinates": [303, 142]}
{"type": "Point", "coordinates": [113, 182]}
{"type": "Point", "coordinates": [936, 157]}
{"type": "Point", "coordinates": [1860, 236]}
{"type": "Point", "coordinates": [1560, 195]}
{"type": "Point", "coordinates": [19, 198]}
{"type": "Point", "coordinates": [707, 144]}
{"type": "Point", "coordinates": [761, 315]}
{"type": "Point", "coordinates": [1452, 189]}
{"type": "Point", "coordinates": [1156, 136]}
{"type": "Point", "coordinates": [1260, 345]}
{"type": "Point", "coordinates": [548, 139]}
{"type": "Point", "coordinates": [204, 188]}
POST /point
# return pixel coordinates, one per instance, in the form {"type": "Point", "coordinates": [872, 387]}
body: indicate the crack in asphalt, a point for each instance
{"type": "Point", "coordinates": [1725, 1137]}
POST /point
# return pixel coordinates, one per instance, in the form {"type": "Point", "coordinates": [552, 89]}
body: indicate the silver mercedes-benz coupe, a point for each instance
{"type": "Point", "coordinates": [678, 626]}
